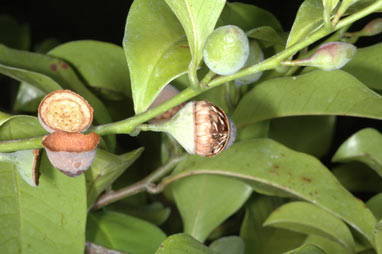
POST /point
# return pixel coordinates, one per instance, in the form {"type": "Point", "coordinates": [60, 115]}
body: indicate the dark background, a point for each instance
{"type": "Point", "coordinates": [105, 21]}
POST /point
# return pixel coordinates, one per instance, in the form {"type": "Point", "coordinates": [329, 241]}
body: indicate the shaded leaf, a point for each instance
{"type": "Point", "coordinates": [375, 205]}
{"type": "Point", "coordinates": [256, 130]}
{"type": "Point", "coordinates": [364, 146]}
{"type": "Point", "coordinates": [19, 126]}
{"type": "Point", "coordinates": [28, 98]}
{"type": "Point", "coordinates": [378, 237]}
{"type": "Point", "coordinates": [273, 169]}
{"type": "Point", "coordinates": [228, 245]}
{"type": "Point", "coordinates": [156, 50]}
{"type": "Point", "coordinates": [309, 18]}
{"type": "Point", "coordinates": [198, 18]}
{"type": "Point", "coordinates": [267, 36]}
{"type": "Point", "coordinates": [327, 245]}
{"type": "Point", "coordinates": [308, 134]}
{"type": "Point", "coordinates": [357, 177]}
{"type": "Point", "coordinates": [13, 34]}
{"type": "Point", "coordinates": [261, 240]}
{"type": "Point", "coordinates": [307, 218]}
{"type": "Point", "coordinates": [329, 6]}
{"type": "Point", "coordinates": [307, 249]}
{"type": "Point", "coordinates": [105, 169]}
{"type": "Point", "coordinates": [123, 232]}
{"type": "Point", "coordinates": [183, 243]}
{"type": "Point", "coordinates": [205, 201]}
{"type": "Point", "coordinates": [314, 93]}
{"type": "Point", "coordinates": [366, 66]}
{"type": "Point", "coordinates": [47, 219]}
{"type": "Point", "coordinates": [25, 162]}
{"type": "Point", "coordinates": [247, 16]}
{"type": "Point", "coordinates": [102, 65]}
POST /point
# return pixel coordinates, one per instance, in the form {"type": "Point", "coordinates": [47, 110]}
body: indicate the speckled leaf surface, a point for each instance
{"type": "Point", "coordinates": [273, 169]}
{"type": "Point", "coordinates": [49, 218]}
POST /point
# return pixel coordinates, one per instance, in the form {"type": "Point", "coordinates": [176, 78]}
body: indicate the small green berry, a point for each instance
{"type": "Point", "coordinates": [226, 50]}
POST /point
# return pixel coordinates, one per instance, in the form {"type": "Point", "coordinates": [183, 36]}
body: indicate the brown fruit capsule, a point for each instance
{"type": "Point", "coordinates": [64, 110]}
{"type": "Point", "coordinates": [71, 153]}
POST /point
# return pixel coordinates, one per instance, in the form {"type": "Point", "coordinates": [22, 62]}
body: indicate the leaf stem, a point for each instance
{"type": "Point", "coordinates": [21, 144]}
{"type": "Point", "coordinates": [146, 184]}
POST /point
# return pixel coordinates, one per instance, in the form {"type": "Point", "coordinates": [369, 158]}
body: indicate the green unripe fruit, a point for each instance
{"type": "Point", "coordinates": [226, 50]}
{"type": "Point", "coordinates": [255, 56]}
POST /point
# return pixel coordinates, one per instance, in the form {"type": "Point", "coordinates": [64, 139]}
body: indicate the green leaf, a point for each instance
{"type": "Point", "coordinates": [28, 98]}
{"type": "Point", "coordinates": [13, 34]}
{"type": "Point", "coordinates": [327, 245]}
{"type": "Point", "coordinates": [309, 18]}
{"type": "Point", "coordinates": [123, 232]}
{"type": "Point", "coordinates": [306, 249]}
{"type": "Point", "coordinates": [357, 177]}
{"type": "Point", "coordinates": [102, 65]}
{"type": "Point", "coordinates": [308, 134]}
{"type": "Point", "coordinates": [267, 36]}
{"type": "Point", "coordinates": [273, 169]}
{"type": "Point", "coordinates": [329, 6]}
{"type": "Point", "coordinates": [205, 201]}
{"type": "Point", "coordinates": [247, 16]}
{"type": "Point", "coordinates": [156, 50]}
{"type": "Point", "coordinates": [47, 219]}
{"type": "Point", "coordinates": [364, 146]}
{"type": "Point", "coordinates": [378, 237]}
{"type": "Point", "coordinates": [366, 66]}
{"type": "Point", "coordinates": [375, 205]}
{"type": "Point", "coordinates": [49, 74]}
{"type": "Point", "coordinates": [198, 18]}
{"type": "Point", "coordinates": [183, 243]}
{"type": "Point", "coordinates": [307, 218]}
{"type": "Point", "coordinates": [19, 126]}
{"type": "Point", "coordinates": [105, 168]}
{"type": "Point", "coordinates": [256, 130]}
{"type": "Point", "coordinates": [261, 240]}
{"type": "Point", "coordinates": [228, 245]}
{"type": "Point", "coordinates": [25, 162]}
{"type": "Point", "coordinates": [314, 93]}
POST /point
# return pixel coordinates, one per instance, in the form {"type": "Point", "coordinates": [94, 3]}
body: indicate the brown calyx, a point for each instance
{"type": "Point", "coordinates": [71, 142]}
{"type": "Point", "coordinates": [211, 129]}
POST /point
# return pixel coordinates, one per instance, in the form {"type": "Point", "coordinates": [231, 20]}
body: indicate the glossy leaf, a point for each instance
{"type": "Point", "coordinates": [183, 243]}
{"type": "Point", "coordinates": [327, 245]}
{"type": "Point", "coordinates": [247, 16]}
{"type": "Point", "coordinates": [273, 169]}
{"type": "Point", "coordinates": [259, 239]}
{"type": "Point", "coordinates": [13, 34]}
{"type": "Point", "coordinates": [308, 19]}
{"type": "Point", "coordinates": [307, 218]}
{"type": "Point", "coordinates": [102, 65]}
{"type": "Point", "coordinates": [314, 93]}
{"type": "Point", "coordinates": [19, 126]}
{"type": "Point", "coordinates": [366, 66]}
{"type": "Point", "coordinates": [28, 98]}
{"type": "Point", "coordinates": [105, 168]}
{"type": "Point", "coordinates": [47, 219]}
{"type": "Point", "coordinates": [306, 249]}
{"type": "Point", "coordinates": [308, 134]}
{"type": "Point", "coordinates": [375, 205]}
{"type": "Point", "coordinates": [228, 245]}
{"type": "Point", "coordinates": [25, 162]}
{"type": "Point", "coordinates": [363, 146]}
{"type": "Point", "coordinates": [378, 237]}
{"type": "Point", "coordinates": [123, 232]}
{"type": "Point", "coordinates": [357, 177]}
{"type": "Point", "coordinates": [267, 36]}
{"type": "Point", "coordinates": [156, 50]}
{"type": "Point", "coordinates": [205, 201]}
{"type": "Point", "coordinates": [49, 74]}
{"type": "Point", "coordinates": [198, 18]}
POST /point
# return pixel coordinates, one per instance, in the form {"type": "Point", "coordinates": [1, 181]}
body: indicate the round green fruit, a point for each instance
{"type": "Point", "coordinates": [226, 50]}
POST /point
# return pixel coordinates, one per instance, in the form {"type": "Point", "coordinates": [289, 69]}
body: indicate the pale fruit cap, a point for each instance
{"type": "Point", "coordinates": [64, 110]}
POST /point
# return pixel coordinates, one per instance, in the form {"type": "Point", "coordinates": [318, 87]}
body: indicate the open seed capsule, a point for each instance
{"type": "Point", "coordinates": [71, 153]}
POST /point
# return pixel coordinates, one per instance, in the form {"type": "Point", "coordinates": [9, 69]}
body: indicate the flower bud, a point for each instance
{"type": "Point", "coordinates": [255, 56]}
{"type": "Point", "coordinates": [328, 57]}
{"type": "Point", "coordinates": [201, 128]}
{"type": "Point", "coordinates": [167, 93]}
{"type": "Point", "coordinates": [64, 110]}
{"type": "Point", "coordinates": [374, 27]}
{"type": "Point", "coordinates": [226, 50]}
{"type": "Point", "coordinates": [71, 153]}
